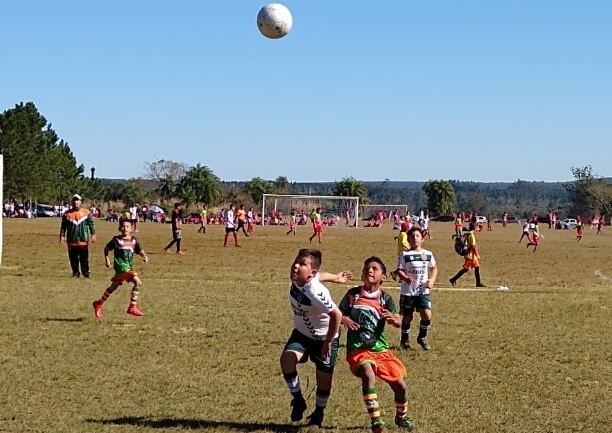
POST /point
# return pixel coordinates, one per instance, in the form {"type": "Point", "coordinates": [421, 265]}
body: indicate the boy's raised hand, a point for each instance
{"type": "Point", "coordinates": [344, 276]}
{"type": "Point", "coordinates": [392, 319]}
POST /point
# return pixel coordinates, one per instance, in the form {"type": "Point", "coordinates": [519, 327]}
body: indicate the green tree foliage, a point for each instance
{"type": "Point", "coordinates": [167, 188]}
{"type": "Point", "coordinates": [38, 165]}
{"type": "Point", "coordinates": [440, 197]}
{"type": "Point", "coordinates": [281, 185]}
{"type": "Point", "coordinates": [588, 194]}
{"type": "Point", "coordinates": [351, 187]}
{"type": "Point", "coordinates": [257, 187]}
{"type": "Point", "coordinates": [200, 185]}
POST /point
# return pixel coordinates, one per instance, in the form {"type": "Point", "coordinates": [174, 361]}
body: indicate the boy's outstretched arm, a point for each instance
{"type": "Point", "coordinates": [339, 278]}
{"type": "Point", "coordinates": [335, 317]}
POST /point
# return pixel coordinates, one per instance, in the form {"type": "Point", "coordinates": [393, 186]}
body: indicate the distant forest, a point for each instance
{"type": "Point", "coordinates": [520, 198]}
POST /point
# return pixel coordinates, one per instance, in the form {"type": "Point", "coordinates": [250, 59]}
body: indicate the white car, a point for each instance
{"type": "Point", "coordinates": [481, 220]}
{"type": "Point", "coordinates": [568, 224]}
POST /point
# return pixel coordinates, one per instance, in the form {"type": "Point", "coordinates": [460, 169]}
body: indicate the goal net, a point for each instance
{"type": "Point", "coordinates": [336, 211]}
{"type": "Point", "coordinates": [370, 210]}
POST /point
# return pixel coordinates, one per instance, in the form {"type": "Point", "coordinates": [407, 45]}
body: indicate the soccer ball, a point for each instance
{"type": "Point", "coordinates": [274, 20]}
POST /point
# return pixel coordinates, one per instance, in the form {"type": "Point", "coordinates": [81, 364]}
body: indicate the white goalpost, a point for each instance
{"type": "Point", "coordinates": [276, 209]}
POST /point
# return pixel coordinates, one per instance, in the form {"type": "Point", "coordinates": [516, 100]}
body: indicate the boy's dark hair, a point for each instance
{"type": "Point", "coordinates": [124, 220]}
{"type": "Point", "coordinates": [315, 256]}
{"type": "Point", "coordinates": [414, 229]}
{"type": "Point", "coordinates": [374, 259]}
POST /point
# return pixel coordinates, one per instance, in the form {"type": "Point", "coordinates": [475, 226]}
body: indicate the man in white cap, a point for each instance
{"type": "Point", "coordinates": [76, 230]}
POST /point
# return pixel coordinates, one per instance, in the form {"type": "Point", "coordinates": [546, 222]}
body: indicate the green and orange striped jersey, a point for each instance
{"type": "Point", "coordinates": [365, 309]}
{"type": "Point", "coordinates": [77, 226]}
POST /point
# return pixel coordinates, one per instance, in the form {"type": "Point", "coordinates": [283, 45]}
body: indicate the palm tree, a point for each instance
{"type": "Point", "coordinates": [440, 197]}
{"type": "Point", "coordinates": [166, 188]}
{"type": "Point", "coordinates": [201, 185]}
{"type": "Point", "coordinates": [257, 187]}
{"type": "Point", "coordinates": [351, 187]}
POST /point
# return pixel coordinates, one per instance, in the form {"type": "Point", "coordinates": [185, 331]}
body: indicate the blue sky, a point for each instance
{"type": "Point", "coordinates": [404, 90]}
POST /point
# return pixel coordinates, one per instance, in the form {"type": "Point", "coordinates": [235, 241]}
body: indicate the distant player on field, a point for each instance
{"type": "Point", "coordinates": [417, 271]}
{"type": "Point", "coordinates": [317, 224]}
{"type": "Point", "coordinates": [176, 230]}
{"type": "Point", "coordinates": [579, 229]}
{"type": "Point", "coordinates": [525, 233]}
{"type": "Point", "coordinates": [365, 311]}
{"type": "Point", "coordinates": [203, 220]}
{"type": "Point", "coordinates": [535, 236]}
{"type": "Point", "coordinates": [471, 261]}
{"type": "Point", "coordinates": [292, 222]}
{"type": "Point", "coordinates": [124, 246]}
{"type": "Point", "coordinates": [316, 321]}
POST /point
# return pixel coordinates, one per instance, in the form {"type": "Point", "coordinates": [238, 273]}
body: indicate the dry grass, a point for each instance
{"type": "Point", "coordinates": [205, 357]}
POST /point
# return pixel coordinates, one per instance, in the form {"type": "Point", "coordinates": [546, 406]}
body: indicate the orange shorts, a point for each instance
{"type": "Point", "coordinates": [318, 228]}
{"type": "Point", "coordinates": [386, 365]}
{"type": "Point", "coordinates": [124, 277]}
{"type": "Point", "coordinates": [471, 263]}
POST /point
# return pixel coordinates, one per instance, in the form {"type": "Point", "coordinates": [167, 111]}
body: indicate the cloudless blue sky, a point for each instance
{"type": "Point", "coordinates": [405, 90]}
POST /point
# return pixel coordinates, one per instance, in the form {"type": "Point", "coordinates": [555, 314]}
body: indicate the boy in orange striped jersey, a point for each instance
{"type": "Point", "coordinates": [124, 247]}
{"type": "Point", "coordinates": [76, 230]}
{"type": "Point", "coordinates": [365, 310]}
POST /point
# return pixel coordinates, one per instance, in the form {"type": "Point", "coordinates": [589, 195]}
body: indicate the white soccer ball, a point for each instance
{"type": "Point", "coordinates": [274, 20]}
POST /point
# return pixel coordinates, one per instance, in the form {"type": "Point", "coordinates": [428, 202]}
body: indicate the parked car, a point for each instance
{"type": "Point", "coordinates": [44, 210]}
{"type": "Point", "coordinates": [567, 224]}
{"type": "Point", "coordinates": [481, 220]}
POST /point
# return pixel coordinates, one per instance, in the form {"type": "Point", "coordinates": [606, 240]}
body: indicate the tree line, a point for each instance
{"type": "Point", "coordinates": [40, 167]}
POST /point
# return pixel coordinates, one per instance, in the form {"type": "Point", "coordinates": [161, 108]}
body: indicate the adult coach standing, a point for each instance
{"type": "Point", "coordinates": [76, 230]}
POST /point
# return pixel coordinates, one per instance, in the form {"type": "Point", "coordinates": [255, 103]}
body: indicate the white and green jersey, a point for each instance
{"type": "Point", "coordinates": [311, 305]}
{"type": "Point", "coordinates": [416, 264]}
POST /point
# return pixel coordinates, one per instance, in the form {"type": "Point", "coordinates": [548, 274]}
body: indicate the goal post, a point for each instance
{"type": "Point", "coordinates": [277, 208]}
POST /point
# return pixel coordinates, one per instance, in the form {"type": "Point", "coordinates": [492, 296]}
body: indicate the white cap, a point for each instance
{"type": "Point", "coordinates": [76, 197]}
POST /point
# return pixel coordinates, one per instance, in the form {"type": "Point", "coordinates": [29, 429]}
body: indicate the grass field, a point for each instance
{"type": "Point", "coordinates": [205, 357]}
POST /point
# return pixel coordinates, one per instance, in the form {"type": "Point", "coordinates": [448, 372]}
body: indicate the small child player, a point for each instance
{"type": "Point", "coordinates": [124, 246]}
{"type": "Point", "coordinates": [365, 311]}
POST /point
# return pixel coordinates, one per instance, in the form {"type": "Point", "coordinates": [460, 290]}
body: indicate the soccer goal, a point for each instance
{"type": "Point", "coordinates": [336, 211]}
{"type": "Point", "coordinates": [368, 210]}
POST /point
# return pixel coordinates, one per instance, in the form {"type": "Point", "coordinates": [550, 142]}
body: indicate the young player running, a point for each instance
{"type": "Point", "coordinates": [535, 236]}
{"type": "Point", "coordinates": [124, 246]}
{"type": "Point", "coordinates": [230, 226]}
{"type": "Point", "coordinates": [417, 272]}
{"type": "Point", "coordinates": [317, 224]}
{"type": "Point", "coordinates": [316, 321]}
{"type": "Point", "coordinates": [365, 310]}
{"type": "Point", "coordinates": [471, 261]}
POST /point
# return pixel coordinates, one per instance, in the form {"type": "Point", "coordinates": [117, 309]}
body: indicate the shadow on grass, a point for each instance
{"type": "Point", "coordinates": [207, 424]}
{"type": "Point", "coordinates": [197, 424]}
{"type": "Point", "coordinates": [62, 319]}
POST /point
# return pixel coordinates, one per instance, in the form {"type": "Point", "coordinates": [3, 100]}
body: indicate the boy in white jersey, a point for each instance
{"type": "Point", "coordinates": [525, 233]}
{"type": "Point", "coordinates": [316, 321]}
{"type": "Point", "coordinates": [230, 226]}
{"type": "Point", "coordinates": [417, 272]}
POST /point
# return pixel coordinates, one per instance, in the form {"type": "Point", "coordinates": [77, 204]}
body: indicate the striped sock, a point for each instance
{"type": "Point", "coordinates": [293, 383]}
{"type": "Point", "coordinates": [371, 403]}
{"type": "Point", "coordinates": [322, 397]}
{"type": "Point", "coordinates": [401, 409]}
{"type": "Point", "coordinates": [423, 328]}
{"type": "Point", "coordinates": [106, 295]}
{"type": "Point", "coordinates": [134, 297]}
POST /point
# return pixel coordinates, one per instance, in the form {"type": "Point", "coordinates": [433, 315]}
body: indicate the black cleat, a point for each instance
{"type": "Point", "coordinates": [298, 407]}
{"type": "Point", "coordinates": [316, 417]}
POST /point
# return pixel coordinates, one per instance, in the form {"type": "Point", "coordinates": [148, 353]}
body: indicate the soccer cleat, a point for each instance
{"type": "Point", "coordinates": [167, 251]}
{"type": "Point", "coordinates": [424, 343]}
{"type": "Point", "coordinates": [404, 423]}
{"type": "Point", "coordinates": [316, 417]}
{"type": "Point", "coordinates": [378, 425]}
{"type": "Point", "coordinates": [298, 407]}
{"type": "Point", "coordinates": [480, 285]}
{"type": "Point", "coordinates": [404, 345]}
{"type": "Point", "coordinates": [134, 311]}
{"type": "Point", "coordinates": [98, 306]}
{"type": "Point", "coordinates": [453, 282]}
{"type": "Point", "coordinates": [87, 274]}
{"type": "Point", "coordinates": [180, 253]}
{"type": "Point", "coordinates": [75, 275]}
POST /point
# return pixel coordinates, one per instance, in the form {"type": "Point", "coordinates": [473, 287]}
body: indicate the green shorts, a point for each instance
{"type": "Point", "coordinates": [410, 303]}
{"type": "Point", "coordinates": [298, 342]}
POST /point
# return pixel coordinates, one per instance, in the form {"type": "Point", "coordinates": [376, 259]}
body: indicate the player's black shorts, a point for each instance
{"type": "Point", "coordinates": [298, 342]}
{"type": "Point", "coordinates": [230, 229]}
